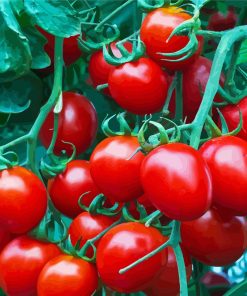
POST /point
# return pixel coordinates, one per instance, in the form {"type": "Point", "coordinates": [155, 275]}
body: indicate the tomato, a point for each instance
{"type": "Point", "coordinates": [217, 283]}
{"type": "Point", "coordinates": [23, 200]}
{"type": "Point", "coordinates": [87, 226]}
{"type": "Point", "coordinates": [195, 79]}
{"type": "Point", "coordinates": [177, 181]}
{"type": "Point", "coordinates": [66, 188]}
{"type": "Point", "coordinates": [167, 282]}
{"type": "Point", "coordinates": [77, 124]}
{"type": "Point", "coordinates": [155, 31]}
{"type": "Point", "coordinates": [226, 158]}
{"type": "Point", "coordinates": [139, 87]}
{"type": "Point", "coordinates": [99, 69]}
{"type": "Point", "coordinates": [114, 172]}
{"type": "Point", "coordinates": [21, 262]}
{"type": "Point", "coordinates": [66, 275]}
{"type": "Point", "coordinates": [5, 237]}
{"type": "Point", "coordinates": [121, 246]}
{"type": "Point", "coordinates": [221, 22]}
{"type": "Point", "coordinates": [216, 238]}
{"type": "Point", "coordinates": [231, 115]}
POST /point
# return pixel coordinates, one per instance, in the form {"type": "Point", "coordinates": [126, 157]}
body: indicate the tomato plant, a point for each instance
{"type": "Point", "coordinates": [219, 21]}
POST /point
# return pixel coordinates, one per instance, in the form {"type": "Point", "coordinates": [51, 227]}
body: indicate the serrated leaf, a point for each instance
{"type": "Point", "coordinates": [199, 3]}
{"type": "Point", "coordinates": [56, 17]}
{"type": "Point", "coordinates": [242, 57]}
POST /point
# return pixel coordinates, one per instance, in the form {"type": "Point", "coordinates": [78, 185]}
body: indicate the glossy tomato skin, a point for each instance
{"type": "Point", "coordinates": [177, 181]}
{"type": "Point", "coordinates": [156, 29]}
{"type": "Point", "coordinates": [23, 200]}
{"type": "Point", "coordinates": [226, 158]}
{"type": "Point", "coordinates": [121, 246]}
{"type": "Point", "coordinates": [87, 226]}
{"type": "Point", "coordinates": [5, 237]}
{"type": "Point", "coordinates": [114, 172]}
{"type": "Point", "coordinates": [21, 262]}
{"type": "Point", "coordinates": [167, 283]}
{"type": "Point", "coordinates": [77, 124]}
{"type": "Point", "coordinates": [67, 275]}
{"type": "Point", "coordinates": [195, 79]}
{"type": "Point", "coordinates": [139, 87]}
{"type": "Point", "coordinates": [215, 238]}
{"type": "Point", "coordinates": [221, 22]}
{"type": "Point", "coordinates": [213, 281]}
{"type": "Point", "coordinates": [66, 188]}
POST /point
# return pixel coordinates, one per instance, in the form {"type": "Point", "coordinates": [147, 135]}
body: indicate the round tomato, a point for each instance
{"type": "Point", "coordinates": [226, 158]}
{"type": "Point", "coordinates": [21, 262]}
{"type": "Point", "coordinates": [99, 69]}
{"type": "Point", "coordinates": [66, 275]}
{"type": "Point", "coordinates": [77, 124]}
{"type": "Point", "coordinates": [139, 87]}
{"type": "Point", "coordinates": [177, 181]}
{"type": "Point", "coordinates": [23, 200]}
{"type": "Point", "coordinates": [167, 283]}
{"type": "Point", "coordinates": [121, 246]}
{"type": "Point", "coordinates": [114, 171]}
{"type": "Point", "coordinates": [195, 79]}
{"type": "Point", "coordinates": [5, 237]}
{"type": "Point", "coordinates": [155, 31]}
{"type": "Point", "coordinates": [87, 226]}
{"type": "Point", "coordinates": [66, 188]}
{"type": "Point", "coordinates": [217, 283]}
{"type": "Point", "coordinates": [216, 238]}
{"type": "Point", "coordinates": [221, 22]}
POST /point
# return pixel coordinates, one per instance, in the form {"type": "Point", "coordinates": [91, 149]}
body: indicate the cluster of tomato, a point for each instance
{"type": "Point", "coordinates": [203, 189]}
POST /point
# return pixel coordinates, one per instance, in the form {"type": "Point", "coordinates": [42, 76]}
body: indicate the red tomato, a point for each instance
{"type": "Point", "coordinates": [155, 31]}
{"type": "Point", "coordinates": [217, 283]}
{"type": "Point", "coordinates": [195, 79]}
{"type": "Point", "coordinates": [5, 237]}
{"type": "Point", "coordinates": [177, 181]}
{"type": "Point", "coordinates": [23, 200]}
{"type": "Point", "coordinates": [167, 283]}
{"type": "Point", "coordinates": [21, 262]}
{"type": "Point", "coordinates": [231, 115]}
{"type": "Point", "coordinates": [215, 238]}
{"type": "Point", "coordinates": [85, 226]}
{"type": "Point", "coordinates": [99, 69]}
{"type": "Point", "coordinates": [117, 176]}
{"type": "Point", "coordinates": [66, 275]}
{"type": "Point", "coordinates": [221, 22]}
{"type": "Point", "coordinates": [77, 124]}
{"type": "Point", "coordinates": [121, 246]}
{"type": "Point", "coordinates": [66, 188]}
{"type": "Point", "coordinates": [226, 158]}
{"type": "Point", "coordinates": [139, 87]}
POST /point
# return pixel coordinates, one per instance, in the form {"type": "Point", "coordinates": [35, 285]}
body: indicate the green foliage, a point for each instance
{"type": "Point", "coordinates": [242, 57]}
{"type": "Point", "coordinates": [200, 3]}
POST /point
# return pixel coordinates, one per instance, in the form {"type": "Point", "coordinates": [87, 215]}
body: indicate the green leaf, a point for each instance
{"type": "Point", "coordinates": [15, 54]}
{"type": "Point", "coordinates": [237, 290]}
{"type": "Point", "coordinates": [236, 3]}
{"type": "Point", "coordinates": [200, 3]}
{"type": "Point", "coordinates": [56, 17]}
{"type": "Point", "coordinates": [242, 58]}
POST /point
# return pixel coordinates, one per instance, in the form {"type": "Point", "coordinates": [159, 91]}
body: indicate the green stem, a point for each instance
{"type": "Point", "coordinates": [54, 135]}
{"type": "Point", "coordinates": [14, 142]}
{"type": "Point", "coordinates": [210, 34]}
{"type": "Point", "coordinates": [181, 270]}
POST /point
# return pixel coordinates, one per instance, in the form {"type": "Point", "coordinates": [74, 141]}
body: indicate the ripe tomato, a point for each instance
{"type": "Point", "coordinates": [117, 176]}
{"type": "Point", "coordinates": [121, 246]}
{"type": "Point", "coordinates": [217, 283]}
{"type": "Point", "coordinates": [66, 275]}
{"type": "Point", "coordinates": [66, 188]}
{"type": "Point", "coordinates": [77, 124]}
{"type": "Point", "coordinates": [5, 237]}
{"type": "Point", "coordinates": [177, 181]}
{"type": "Point", "coordinates": [139, 87]}
{"type": "Point", "coordinates": [99, 69]}
{"type": "Point", "coordinates": [167, 283]}
{"type": "Point", "coordinates": [85, 226]}
{"type": "Point", "coordinates": [216, 238]}
{"type": "Point", "coordinates": [155, 31]}
{"type": "Point", "coordinates": [231, 115]}
{"type": "Point", "coordinates": [21, 262]}
{"type": "Point", "coordinates": [195, 79]}
{"type": "Point", "coordinates": [221, 22]}
{"type": "Point", "coordinates": [23, 200]}
{"type": "Point", "coordinates": [226, 158]}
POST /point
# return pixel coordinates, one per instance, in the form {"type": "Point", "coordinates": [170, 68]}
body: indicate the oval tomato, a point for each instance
{"type": "Point", "coordinates": [216, 238]}
{"type": "Point", "coordinates": [66, 188]}
{"type": "Point", "coordinates": [21, 262]}
{"type": "Point", "coordinates": [121, 246]}
{"type": "Point", "coordinates": [23, 200]}
{"type": "Point", "coordinates": [221, 22]}
{"type": "Point", "coordinates": [167, 283]}
{"type": "Point", "coordinates": [226, 158]}
{"type": "Point", "coordinates": [114, 172]}
{"type": "Point", "coordinates": [77, 124]}
{"type": "Point", "coordinates": [5, 237]}
{"type": "Point", "coordinates": [177, 181]}
{"type": "Point", "coordinates": [66, 275]}
{"type": "Point", "coordinates": [87, 226]}
{"type": "Point", "coordinates": [139, 87]}
{"type": "Point", "coordinates": [155, 31]}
